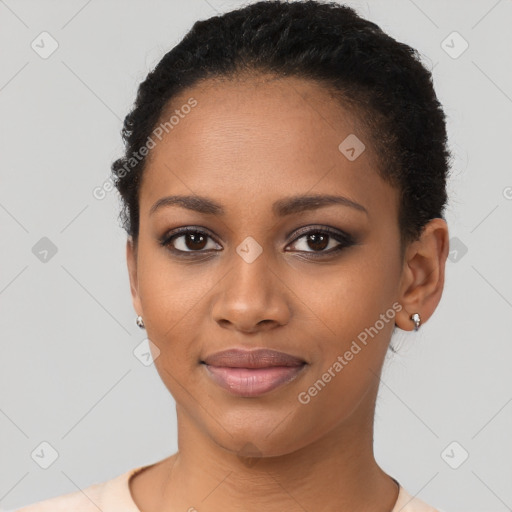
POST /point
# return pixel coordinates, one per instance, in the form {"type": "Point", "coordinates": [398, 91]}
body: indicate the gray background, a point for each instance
{"type": "Point", "coordinates": [68, 374]}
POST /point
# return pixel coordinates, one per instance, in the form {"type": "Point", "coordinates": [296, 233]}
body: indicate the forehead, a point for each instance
{"type": "Point", "coordinates": [255, 137]}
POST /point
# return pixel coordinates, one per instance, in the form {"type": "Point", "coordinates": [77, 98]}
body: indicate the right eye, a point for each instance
{"type": "Point", "coordinates": [188, 240]}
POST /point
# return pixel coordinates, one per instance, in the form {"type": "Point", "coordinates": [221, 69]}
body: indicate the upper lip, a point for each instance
{"type": "Point", "coordinates": [257, 358]}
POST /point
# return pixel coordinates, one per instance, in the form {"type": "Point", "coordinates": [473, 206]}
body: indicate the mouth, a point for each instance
{"type": "Point", "coordinates": [252, 373]}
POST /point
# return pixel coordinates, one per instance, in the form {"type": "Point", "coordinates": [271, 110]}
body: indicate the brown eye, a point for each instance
{"type": "Point", "coordinates": [322, 241]}
{"type": "Point", "coordinates": [189, 240]}
{"type": "Point", "coordinates": [317, 241]}
{"type": "Point", "coordinates": [194, 241]}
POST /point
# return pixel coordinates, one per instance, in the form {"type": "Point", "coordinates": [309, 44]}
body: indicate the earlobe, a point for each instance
{"type": "Point", "coordinates": [423, 273]}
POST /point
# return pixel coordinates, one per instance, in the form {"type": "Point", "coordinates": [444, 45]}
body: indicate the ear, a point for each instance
{"type": "Point", "coordinates": [131, 260]}
{"type": "Point", "coordinates": [422, 280]}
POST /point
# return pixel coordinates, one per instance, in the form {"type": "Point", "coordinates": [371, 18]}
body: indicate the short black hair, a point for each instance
{"type": "Point", "coordinates": [381, 79]}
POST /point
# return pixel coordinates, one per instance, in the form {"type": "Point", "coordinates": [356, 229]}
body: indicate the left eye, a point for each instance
{"type": "Point", "coordinates": [320, 240]}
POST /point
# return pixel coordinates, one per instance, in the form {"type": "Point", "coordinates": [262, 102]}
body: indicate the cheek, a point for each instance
{"type": "Point", "coordinates": [171, 300]}
{"type": "Point", "coordinates": [355, 320]}
{"type": "Point", "coordinates": [170, 291]}
{"type": "Point", "coordinates": [349, 299]}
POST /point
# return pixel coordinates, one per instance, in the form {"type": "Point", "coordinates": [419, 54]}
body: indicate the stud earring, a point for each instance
{"type": "Point", "coordinates": [417, 320]}
{"type": "Point", "coordinates": [140, 322]}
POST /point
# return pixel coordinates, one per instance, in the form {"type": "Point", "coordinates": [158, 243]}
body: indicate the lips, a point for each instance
{"type": "Point", "coordinates": [252, 373]}
{"type": "Point", "coordinates": [259, 358]}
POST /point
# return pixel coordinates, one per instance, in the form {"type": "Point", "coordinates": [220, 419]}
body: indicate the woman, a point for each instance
{"type": "Point", "coordinates": [283, 193]}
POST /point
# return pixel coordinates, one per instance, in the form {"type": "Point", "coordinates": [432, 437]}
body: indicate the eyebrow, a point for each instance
{"type": "Point", "coordinates": [281, 208]}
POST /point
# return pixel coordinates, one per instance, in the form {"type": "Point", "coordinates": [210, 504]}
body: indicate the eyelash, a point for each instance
{"type": "Point", "coordinates": [344, 239]}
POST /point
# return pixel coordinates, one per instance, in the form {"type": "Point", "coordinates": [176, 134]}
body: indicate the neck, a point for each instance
{"type": "Point", "coordinates": [336, 472]}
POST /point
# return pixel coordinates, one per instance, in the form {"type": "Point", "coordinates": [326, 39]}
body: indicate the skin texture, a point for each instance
{"type": "Point", "coordinates": [246, 144]}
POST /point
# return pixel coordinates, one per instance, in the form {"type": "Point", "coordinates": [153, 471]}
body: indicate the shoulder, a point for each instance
{"type": "Point", "coordinates": [408, 503]}
{"type": "Point", "coordinates": [98, 496]}
{"type": "Point", "coordinates": [81, 501]}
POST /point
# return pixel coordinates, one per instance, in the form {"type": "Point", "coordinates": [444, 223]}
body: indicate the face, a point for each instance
{"type": "Point", "coordinates": [320, 282]}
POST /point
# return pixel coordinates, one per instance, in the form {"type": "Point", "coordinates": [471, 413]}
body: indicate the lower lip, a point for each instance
{"type": "Point", "coordinates": [252, 381]}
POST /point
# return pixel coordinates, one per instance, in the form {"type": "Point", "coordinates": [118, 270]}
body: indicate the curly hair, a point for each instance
{"type": "Point", "coordinates": [380, 79]}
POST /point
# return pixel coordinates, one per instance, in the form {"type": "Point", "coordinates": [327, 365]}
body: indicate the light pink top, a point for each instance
{"type": "Point", "coordinates": [114, 496]}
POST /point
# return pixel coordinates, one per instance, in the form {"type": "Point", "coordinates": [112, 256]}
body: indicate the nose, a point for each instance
{"type": "Point", "coordinates": [251, 297]}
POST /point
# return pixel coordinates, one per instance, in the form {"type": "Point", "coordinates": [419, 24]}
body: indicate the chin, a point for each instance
{"type": "Point", "coordinates": [269, 437]}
